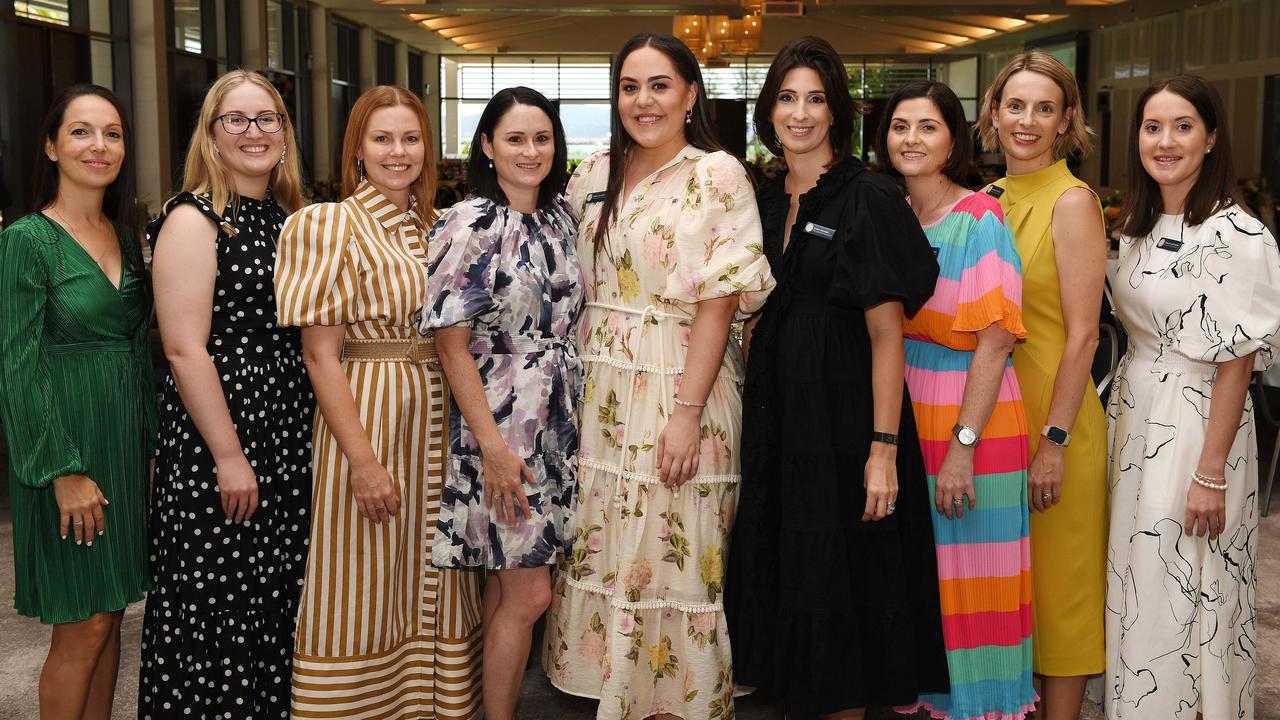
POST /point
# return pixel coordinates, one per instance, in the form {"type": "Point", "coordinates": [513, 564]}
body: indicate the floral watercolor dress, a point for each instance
{"type": "Point", "coordinates": [514, 278]}
{"type": "Point", "coordinates": [637, 618]}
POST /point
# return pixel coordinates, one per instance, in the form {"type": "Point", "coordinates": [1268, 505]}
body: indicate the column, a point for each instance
{"type": "Point", "coordinates": [321, 73]}
{"type": "Point", "coordinates": [150, 148]}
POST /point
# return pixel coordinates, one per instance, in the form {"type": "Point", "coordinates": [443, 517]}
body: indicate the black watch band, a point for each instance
{"type": "Point", "coordinates": [885, 438]}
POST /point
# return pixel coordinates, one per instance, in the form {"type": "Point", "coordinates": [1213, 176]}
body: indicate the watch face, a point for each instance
{"type": "Point", "coordinates": [1056, 435]}
{"type": "Point", "coordinates": [966, 436]}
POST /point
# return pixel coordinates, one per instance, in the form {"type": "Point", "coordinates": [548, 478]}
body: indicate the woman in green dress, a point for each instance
{"type": "Point", "coordinates": [76, 399]}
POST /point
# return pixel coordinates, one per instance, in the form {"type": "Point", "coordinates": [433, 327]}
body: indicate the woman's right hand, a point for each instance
{"type": "Point", "coordinates": [80, 504]}
{"type": "Point", "coordinates": [237, 489]}
{"type": "Point", "coordinates": [955, 482]}
{"type": "Point", "coordinates": [376, 493]}
{"type": "Point", "coordinates": [504, 490]}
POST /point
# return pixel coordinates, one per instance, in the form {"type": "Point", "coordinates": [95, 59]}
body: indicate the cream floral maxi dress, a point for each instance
{"type": "Point", "coordinates": [636, 615]}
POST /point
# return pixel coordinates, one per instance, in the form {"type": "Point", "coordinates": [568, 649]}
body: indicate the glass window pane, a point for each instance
{"type": "Point", "coordinates": [186, 26]}
{"type": "Point", "coordinates": [586, 127]}
{"type": "Point", "coordinates": [51, 11]}
{"type": "Point", "coordinates": [275, 34]}
{"type": "Point", "coordinates": [584, 79]}
{"type": "Point", "coordinates": [538, 73]}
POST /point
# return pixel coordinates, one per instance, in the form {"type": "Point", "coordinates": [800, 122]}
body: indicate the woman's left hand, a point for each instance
{"type": "Point", "coordinates": [1206, 511]}
{"type": "Point", "coordinates": [678, 446]}
{"type": "Point", "coordinates": [880, 478]}
{"type": "Point", "coordinates": [1044, 477]}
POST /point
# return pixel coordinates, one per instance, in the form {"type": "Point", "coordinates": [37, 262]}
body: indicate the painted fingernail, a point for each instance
{"type": "Point", "coordinates": [89, 544]}
{"type": "Point", "coordinates": [79, 542]}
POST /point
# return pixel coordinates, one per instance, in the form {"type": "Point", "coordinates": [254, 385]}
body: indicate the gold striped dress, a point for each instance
{"type": "Point", "coordinates": [381, 633]}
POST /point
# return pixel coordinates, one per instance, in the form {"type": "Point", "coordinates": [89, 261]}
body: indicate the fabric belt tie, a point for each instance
{"type": "Point", "coordinates": [517, 344]}
{"type": "Point", "coordinates": [649, 311]}
{"type": "Point", "coordinates": [90, 346]}
{"type": "Point", "coordinates": [416, 350]}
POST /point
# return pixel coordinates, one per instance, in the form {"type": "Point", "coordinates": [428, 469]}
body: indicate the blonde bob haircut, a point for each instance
{"type": "Point", "coordinates": [1077, 136]}
{"type": "Point", "coordinates": [382, 96]}
{"type": "Point", "coordinates": [203, 172]}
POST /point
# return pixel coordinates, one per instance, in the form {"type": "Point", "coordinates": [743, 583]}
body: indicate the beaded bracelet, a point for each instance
{"type": "Point", "coordinates": [686, 403]}
{"type": "Point", "coordinates": [1213, 483]}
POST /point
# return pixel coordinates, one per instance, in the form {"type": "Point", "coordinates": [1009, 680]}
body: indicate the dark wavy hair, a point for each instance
{"type": "Point", "coordinates": [483, 179]}
{"type": "Point", "coordinates": [120, 202]}
{"type": "Point", "coordinates": [944, 98]}
{"type": "Point", "coordinates": [817, 55]}
{"type": "Point", "coordinates": [697, 132]}
{"type": "Point", "coordinates": [1213, 190]}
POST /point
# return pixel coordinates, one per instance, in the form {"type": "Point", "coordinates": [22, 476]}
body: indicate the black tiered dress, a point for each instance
{"type": "Point", "coordinates": [217, 639]}
{"type": "Point", "coordinates": [826, 612]}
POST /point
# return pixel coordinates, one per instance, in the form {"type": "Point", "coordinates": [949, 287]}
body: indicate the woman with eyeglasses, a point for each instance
{"type": "Point", "coordinates": [231, 500]}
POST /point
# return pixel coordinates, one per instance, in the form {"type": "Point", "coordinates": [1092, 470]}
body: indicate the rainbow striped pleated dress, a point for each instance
{"type": "Point", "coordinates": [984, 566]}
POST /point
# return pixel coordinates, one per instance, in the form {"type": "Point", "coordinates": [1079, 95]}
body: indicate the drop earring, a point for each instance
{"type": "Point", "coordinates": [282, 152]}
{"type": "Point", "coordinates": [490, 163]}
{"type": "Point", "coordinates": [688, 117]}
{"type": "Point", "coordinates": [216, 153]}
{"type": "Point", "coordinates": [360, 167]}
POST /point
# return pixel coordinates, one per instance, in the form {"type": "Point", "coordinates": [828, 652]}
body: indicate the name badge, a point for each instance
{"type": "Point", "coordinates": [819, 230]}
{"type": "Point", "coordinates": [995, 191]}
{"type": "Point", "coordinates": [1169, 244]}
{"type": "Point", "coordinates": [596, 197]}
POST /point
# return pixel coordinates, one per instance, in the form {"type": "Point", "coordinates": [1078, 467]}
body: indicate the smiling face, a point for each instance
{"type": "Point", "coordinates": [919, 140]}
{"type": "Point", "coordinates": [89, 145]}
{"type": "Point", "coordinates": [251, 156]}
{"type": "Point", "coordinates": [653, 100]}
{"type": "Point", "coordinates": [801, 116]}
{"type": "Point", "coordinates": [522, 150]}
{"type": "Point", "coordinates": [1172, 143]}
{"type": "Point", "coordinates": [1029, 118]}
{"type": "Point", "coordinates": [393, 152]}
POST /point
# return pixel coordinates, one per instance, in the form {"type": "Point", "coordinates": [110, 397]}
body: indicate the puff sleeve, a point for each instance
{"type": "Point", "coordinates": [882, 253]}
{"type": "Point", "coordinates": [40, 449]}
{"type": "Point", "coordinates": [316, 276]}
{"type": "Point", "coordinates": [1235, 308]}
{"type": "Point", "coordinates": [991, 276]}
{"type": "Point", "coordinates": [718, 246]}
{"type": "Point", "coordinates": [466, 244]}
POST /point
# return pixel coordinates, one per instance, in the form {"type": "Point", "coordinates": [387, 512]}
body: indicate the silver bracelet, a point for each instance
{"type": "Point", "coordinates": [686, 403]}
{"type": "Point", "coordinates": [1213, 483]}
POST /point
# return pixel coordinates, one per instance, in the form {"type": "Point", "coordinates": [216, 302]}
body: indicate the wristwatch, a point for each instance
{"type": "Point", "coordinates": [1056, 435]}
{"type": "Point", "coordinates": [967, 436]}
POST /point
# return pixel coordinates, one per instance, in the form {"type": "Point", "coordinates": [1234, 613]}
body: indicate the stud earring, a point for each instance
{"type": "Point", "coordinates": [688, 117]}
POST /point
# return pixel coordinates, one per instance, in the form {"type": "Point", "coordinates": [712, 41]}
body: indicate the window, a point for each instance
{"type": "Point", "coordinates": [288, 42]}
{"type": "Point", "coordinates": [204, 42]}
{"type": "Point", "coordinates": [344, 86]}
{"type": "Point", "coordinates": [578, 85]}
{"type": "Point", "coordinates": [57, 12]}
{"type": "Point", "coordinates": [417, 79]}
{"type": "Point", "coordinates": [385, 55]}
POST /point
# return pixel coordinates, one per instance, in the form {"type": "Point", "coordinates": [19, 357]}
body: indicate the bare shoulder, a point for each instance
{"type": "Point", "coordinates": [1075, 202]}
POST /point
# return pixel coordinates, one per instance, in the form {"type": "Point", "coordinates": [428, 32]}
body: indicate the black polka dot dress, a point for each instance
{"type": "Point", "coordinates": [217, 638]}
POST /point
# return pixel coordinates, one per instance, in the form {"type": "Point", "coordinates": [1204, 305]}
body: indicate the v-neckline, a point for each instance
{"type": "Point", "coordinates": [117, 287]}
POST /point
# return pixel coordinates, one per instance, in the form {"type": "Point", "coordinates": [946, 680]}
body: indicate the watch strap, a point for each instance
{"type": "Point", "coordinates": [886, 438]}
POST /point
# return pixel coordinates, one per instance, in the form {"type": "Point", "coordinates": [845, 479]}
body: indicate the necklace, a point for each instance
{"type": "Point", "coordinates": [73, 232]}
{"type": "Point", "coordinates": [925, 216]}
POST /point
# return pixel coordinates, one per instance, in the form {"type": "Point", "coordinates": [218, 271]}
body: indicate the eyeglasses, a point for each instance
{"type": "Point", "coordinates": [237, 124]}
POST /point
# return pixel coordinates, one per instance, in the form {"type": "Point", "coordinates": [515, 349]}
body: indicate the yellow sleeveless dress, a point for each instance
{"type": "Point", "coordinates": [1069, 542]}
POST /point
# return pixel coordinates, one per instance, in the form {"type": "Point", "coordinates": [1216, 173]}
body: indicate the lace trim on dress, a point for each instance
{"type": "Point", "coordinates": [644, 604]}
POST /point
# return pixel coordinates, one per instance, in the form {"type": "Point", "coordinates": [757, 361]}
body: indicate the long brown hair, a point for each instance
{"type": "Point", "coordinates": [120, 200]}
{"type": "Point", "coordinates": [1213, 190]}
{"type": "Point", "coordinates": [1077, 136]}
{"type": "Point", "coordinates": [697, 132]}
{"type": "Point", "coordinates": [424, 188]}
{"type": "Point", "coordinates": [204, 173]}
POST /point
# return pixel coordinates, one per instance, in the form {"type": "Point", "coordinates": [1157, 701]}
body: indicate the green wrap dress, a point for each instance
{"type": "Point", "coordinates": [76, 396]}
